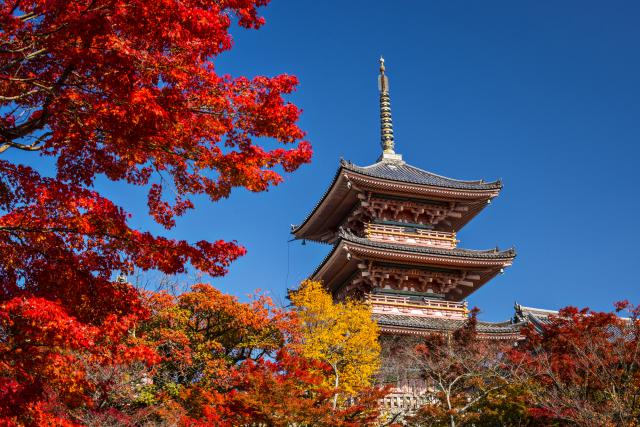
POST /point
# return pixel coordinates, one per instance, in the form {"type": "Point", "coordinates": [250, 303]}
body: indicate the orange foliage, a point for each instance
{"type": "Point", "coordinates": [231, 363]}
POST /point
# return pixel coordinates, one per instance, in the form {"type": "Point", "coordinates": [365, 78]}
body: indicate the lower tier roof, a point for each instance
{"type": "Point", "coordinates": [417, 325]}
{"type": "Point", "coordinates": [496, 254]}
{"type": "Point", "coordinates": [420, 325]}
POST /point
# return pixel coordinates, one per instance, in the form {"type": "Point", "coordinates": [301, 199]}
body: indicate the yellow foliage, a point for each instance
{"type": "Point", "coordinates": [341, 334]}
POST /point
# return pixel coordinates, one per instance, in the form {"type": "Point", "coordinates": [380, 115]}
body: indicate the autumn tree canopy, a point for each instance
{"type": "Point", "coordinates": [464, 379]}
{"type": "Point", "coordinates": [577, 368]}
{"type": "Point", "coordinates": [583, 367]}
{"type": "Point", "coordinates": [341, 334]}
{"type": "Point", "coordinates": [125, 90]}
{"type": "Point", "coordinates": [227, 363]}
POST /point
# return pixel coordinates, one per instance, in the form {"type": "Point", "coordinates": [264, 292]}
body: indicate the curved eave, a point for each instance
{"type": "Point", "coordinates": [418, 254]}
{"type": "Point", "coordinates": [323, 216]}
{"type": "Point", "coordinates": [337, 267]}
{"type": "Point", "coordinates": [341, 196]}
{"type": "Point", "coordinates": [420, 190]}
{"type": "Point", "coordinates": [393, 330]}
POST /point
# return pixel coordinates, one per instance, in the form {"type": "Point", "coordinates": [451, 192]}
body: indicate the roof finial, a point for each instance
{"type": "Point", "coordinates": [386, 125]}
{"type": "Point", "coordinates": [384, 82]}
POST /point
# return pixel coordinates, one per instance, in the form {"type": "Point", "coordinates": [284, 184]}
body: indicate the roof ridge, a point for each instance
{"type": "Point", "coordinates": [347, 235]}
{"type": "Point", "coordinates": [468, 181]}
{"type": "Point", "coordinates": [419, 174]}
{"type": "Point", "coordinates": [543, 310]}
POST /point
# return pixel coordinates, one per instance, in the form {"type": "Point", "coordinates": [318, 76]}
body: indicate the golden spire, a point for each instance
{"type": "Point", "coordinates": [386, 125]}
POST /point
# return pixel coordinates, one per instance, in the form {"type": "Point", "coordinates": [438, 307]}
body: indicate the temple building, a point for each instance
{"type": "Point", "coordinates": [393, 229]}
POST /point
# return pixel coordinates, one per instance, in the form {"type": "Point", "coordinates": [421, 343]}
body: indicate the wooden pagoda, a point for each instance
{"type": "Point", "coordinates": [393, 229]}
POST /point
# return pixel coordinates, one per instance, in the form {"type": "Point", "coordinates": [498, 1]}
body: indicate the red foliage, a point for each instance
{"type": "Point", "coordinates": [126, 90]}
{"type": "Point", "coordinates": [45, 355]}
{"type": "Point", "coordinates": [584, 367]}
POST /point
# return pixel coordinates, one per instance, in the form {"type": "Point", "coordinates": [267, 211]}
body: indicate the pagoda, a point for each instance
{"type": "Point", "coordinates": [393, 229]}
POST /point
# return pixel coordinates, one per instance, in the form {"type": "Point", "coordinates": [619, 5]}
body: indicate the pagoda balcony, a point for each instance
{"type": "Point", "coordinates": [420, 307]}
{"type": "Point", "coordinates": [410, 236]}
{"type": "Point", "coordinates": [406, 402]}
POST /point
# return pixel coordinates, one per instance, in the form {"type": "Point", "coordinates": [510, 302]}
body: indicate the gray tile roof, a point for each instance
{"type": "Point", "coordinates": [435, 324]}
{"type": "Point", "coordinates": [539, 318]}
{"type": "Point", "coordinates": [536, 316]}
{"type": "Point", "coordinates": [457, 252]}
{"type": "Point", "coordinates": [403, 172]}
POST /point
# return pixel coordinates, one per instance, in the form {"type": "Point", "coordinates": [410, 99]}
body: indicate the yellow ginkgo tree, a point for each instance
{"type": "Point", "coordinates": [342, 334]}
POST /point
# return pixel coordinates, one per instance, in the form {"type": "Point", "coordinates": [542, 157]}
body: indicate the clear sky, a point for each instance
{"type": "Point", "coordinates": [545, 95]}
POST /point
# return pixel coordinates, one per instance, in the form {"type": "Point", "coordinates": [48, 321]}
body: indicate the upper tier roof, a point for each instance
{"type": "Point", "coordinates": [392, 178]}
{"type": "Point", "coordinates": [401, 171]}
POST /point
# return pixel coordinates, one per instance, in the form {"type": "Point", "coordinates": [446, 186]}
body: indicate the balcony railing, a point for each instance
{"type": "Point", "coordinates": [409, 236]}
{"type": "Point", "coordinates": [425, 307]}
{"type": "Point", "coordinates": [413, 301]}
{"type": "Point", "coordinates": [406, 403]}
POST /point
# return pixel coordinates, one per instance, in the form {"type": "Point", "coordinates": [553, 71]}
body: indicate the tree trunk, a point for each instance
{"type": "Point", "coordinates": [335, 386]}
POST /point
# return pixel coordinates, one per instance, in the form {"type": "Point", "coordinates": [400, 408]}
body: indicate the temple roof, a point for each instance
{"type": "Point", "coordinates": [420, 324]}
{"type": "Point", "coordinates": [529, 313]}
{"type": "Point", "coordinates": [393, 178]}
{"type": "Point", "coordinates": [496, 254]}
{"type": "Point", "coordinates": [398, 170]}
{"type": "Point", "coordinates": [342, 262]}
{"type": "Point", "coordinates": [537, 317]}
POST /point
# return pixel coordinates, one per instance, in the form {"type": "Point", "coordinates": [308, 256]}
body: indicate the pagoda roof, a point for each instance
{"type": "Point", "coordinates": [338, 267]}
{"type": "Point", "coordinates": [420, 325]}
{"type": "Point", "coordinates": [508, 254]}
{"type": "Point", "coordinates": [393, 178]}
{"type": "Point", "coordinates": [398, 170]}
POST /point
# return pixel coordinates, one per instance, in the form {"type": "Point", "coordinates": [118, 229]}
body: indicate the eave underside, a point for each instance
{"type": "Point", "coordinates": [347, 190]}
{"type": "Point", "coordinates": [357, 265]}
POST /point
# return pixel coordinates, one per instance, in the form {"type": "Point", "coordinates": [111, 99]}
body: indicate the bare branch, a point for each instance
{"type": "Point", "coordinates": [35, 146]}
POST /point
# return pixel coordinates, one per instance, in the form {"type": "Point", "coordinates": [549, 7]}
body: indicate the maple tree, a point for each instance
{"type": "Point", "coordinates": [341, 334]}
{"type": "Point", "coordinates": [583, 367]}
{"type": "Point", "coordinates": [292, 392]}
{"type": "Point", "coordinates": [228, 363]}
{"type": "Point", "coordinates": [577, 367]}
{"type": "Point", "coordinates": [126, 90]}
{"type": "Point", "coordinates": [201, 336]}
{"type": "Point", "coordinates": [462, 378]}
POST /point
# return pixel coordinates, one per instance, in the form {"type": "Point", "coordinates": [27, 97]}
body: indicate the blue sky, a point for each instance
{"type": "Point", "coordinates": [545, 95]}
